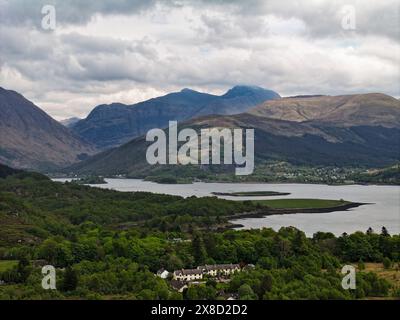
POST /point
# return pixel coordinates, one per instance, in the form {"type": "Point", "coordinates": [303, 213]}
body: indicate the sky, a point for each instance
{"type": "Point", "coordinates": [104, 51]}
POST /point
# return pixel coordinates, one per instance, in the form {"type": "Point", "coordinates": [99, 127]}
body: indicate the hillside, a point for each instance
{"type": "Point", "coordinates": [6, 171]}
{"type": "Point", "coordinates": [112, 125]}
{"type": "Point", "coordinates": [378, 176]}
{"type": "Point", "coordinates": [31, 139]}
{"type": "Point", "coordinates": [33, 208]}
{"type": "Point", "coordinates": [374, 109]}
{"type": "Point", "coordinates": [370, 143]}
{"type": "Point", "coordinates": [113, 243]}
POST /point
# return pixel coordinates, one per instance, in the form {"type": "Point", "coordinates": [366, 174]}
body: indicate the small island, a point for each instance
{"type": "Point", "coordinates": [251, 194]}
{"type": "Point", "coordinates": [90, 180]}
{"type": "Point", "coordinates": [168, 180]}
{"type": "Point", "coordinates": [292, 206]}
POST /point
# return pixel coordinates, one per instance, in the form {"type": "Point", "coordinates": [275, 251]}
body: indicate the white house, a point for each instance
{"type": "Point", "coordinates": [220, 269]}
{"type": "Point", "coordinates": [188, 274]}
{"type": "Point", "coordinates": [211, 270]}
{"type": "Point", "coordinates": [162, 273]}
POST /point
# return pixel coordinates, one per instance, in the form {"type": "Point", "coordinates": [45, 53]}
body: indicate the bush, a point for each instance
{"type": "Point", "coordinates": [387, 263]}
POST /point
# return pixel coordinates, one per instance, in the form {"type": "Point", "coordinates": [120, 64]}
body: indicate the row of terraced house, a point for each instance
{"type": "Point", "coordinates": [210, 270]}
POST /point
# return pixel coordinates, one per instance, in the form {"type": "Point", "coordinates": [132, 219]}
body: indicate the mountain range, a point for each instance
{"type": "Point", "coordinates": [31, 139]}
{"type": "Point", "coordinates": [352, 130]}
{"type": "Point", "coordinates": [115, 124]}
{"type": "Point", "coordinates": [347, 130]}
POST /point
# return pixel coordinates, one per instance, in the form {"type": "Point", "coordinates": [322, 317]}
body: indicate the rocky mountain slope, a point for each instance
{"type": "Point", "coordinates": [31, 139]}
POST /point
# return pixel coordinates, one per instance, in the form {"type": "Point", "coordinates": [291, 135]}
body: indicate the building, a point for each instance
{"type": "Point", "coordinates": [162, 273]}
{"type": "Point", "coordinates": [210, 270]}
{"type": "Point", "coordinates": [178, 285]}
{"type": "Point", "coordinates": [220, 269]}
{"type": "Point", "coordinates": [188, 274]}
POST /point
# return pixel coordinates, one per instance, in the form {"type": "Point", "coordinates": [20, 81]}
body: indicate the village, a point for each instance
{"type": "Point", "coordinates": [182, 279]}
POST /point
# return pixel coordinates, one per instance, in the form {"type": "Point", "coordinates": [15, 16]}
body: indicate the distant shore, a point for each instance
{"type": "Point", "coordinates": [251, 194]}
{"type": "Point", "coordinates": [264, 212]}
{"type": "Point", "coordinates": [52, 176]}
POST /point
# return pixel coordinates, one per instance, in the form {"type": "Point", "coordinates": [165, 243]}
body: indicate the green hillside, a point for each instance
{"type": "Point", "coordinates": [109, 245]}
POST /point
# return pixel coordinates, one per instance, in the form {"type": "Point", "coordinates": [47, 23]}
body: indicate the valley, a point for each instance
{"type": "Point", "coordinates": [186, 157]}
{"type": "Point", "coordinates": [320, 149]}
{"type": "Point", "coordinates": [306, 139]}
{"type": "Point", "coordinates": [201, 214]}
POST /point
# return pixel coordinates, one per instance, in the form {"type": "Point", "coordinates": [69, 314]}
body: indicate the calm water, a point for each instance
{"type": "Point", "coordinates": [384, 209]}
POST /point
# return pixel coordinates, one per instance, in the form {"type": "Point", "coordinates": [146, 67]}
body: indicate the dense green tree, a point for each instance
{"type": "Point", "coordinates": [384, 232]}
{"type": "Point", "coordinates": [198, 249]}
{"type": "Point", "coordinates": [246, 292]}
{"type": "Point", "coordinates": [70, 281]}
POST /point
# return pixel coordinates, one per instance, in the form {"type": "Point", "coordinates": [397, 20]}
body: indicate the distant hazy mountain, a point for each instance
{"type": "Point", "coordinates": [341, 131]}
{"type": "Point", "coordinates": [238, 100]}
{"type": "Point", "coordinates": [112, 125]}
{"type": "Point", "coordinates": [70, 122]}
{"type": "Point", "coordinates": [29, 138]}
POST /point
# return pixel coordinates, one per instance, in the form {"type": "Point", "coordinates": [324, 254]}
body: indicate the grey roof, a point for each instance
{"type": "Point", "coordinates": [178, 284]}
{"type": "Point", "coordinates": [187, 272]}
{"type": "Point", "coordinates": [219, 267]}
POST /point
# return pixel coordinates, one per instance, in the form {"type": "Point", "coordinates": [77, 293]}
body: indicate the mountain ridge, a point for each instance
{"type": "Point", "coordinates": [305, 142]}
{"type": "Point", "coordinates": [343, 110]}
{"type": "Point", "coordinates": [115, 124]}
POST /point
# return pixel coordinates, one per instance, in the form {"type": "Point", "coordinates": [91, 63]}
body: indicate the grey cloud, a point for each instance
{"type": "Point", "coordinates": [323, 18]}
{"type": "Point", "coordinates": [299, 52]}
{"type": "Point", "coordinates": [68, 11]}
{"type": "Point", "coordinates": [95, 45]}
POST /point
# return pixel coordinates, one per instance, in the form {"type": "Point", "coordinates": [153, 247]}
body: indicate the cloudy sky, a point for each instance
{"type": "Point", "coordinates": [104, 51]}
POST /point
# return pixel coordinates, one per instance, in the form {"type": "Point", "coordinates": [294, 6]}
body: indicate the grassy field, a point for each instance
{"type": "Point", "coordinates": [7, 264]}
{"type": "Point", "coordinates": [392, 274]}
{"type": "Point", "coordinates": [301, 203]}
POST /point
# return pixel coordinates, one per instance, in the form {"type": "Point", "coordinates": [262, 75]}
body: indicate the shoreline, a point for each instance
{"type": "Point", "coordinates": [251, 194]}
{"type": "Point", "coordinates": [240, 182]}
{"type": "Point", "coordinates": [262, 213]}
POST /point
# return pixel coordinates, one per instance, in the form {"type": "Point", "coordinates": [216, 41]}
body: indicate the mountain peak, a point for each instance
{"type": "Point", "coordinates": [246, 90]}
{"type": "Point", "coordinates": [112, 126]}
{"type": "Point", "coordinates": [187, 90]}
